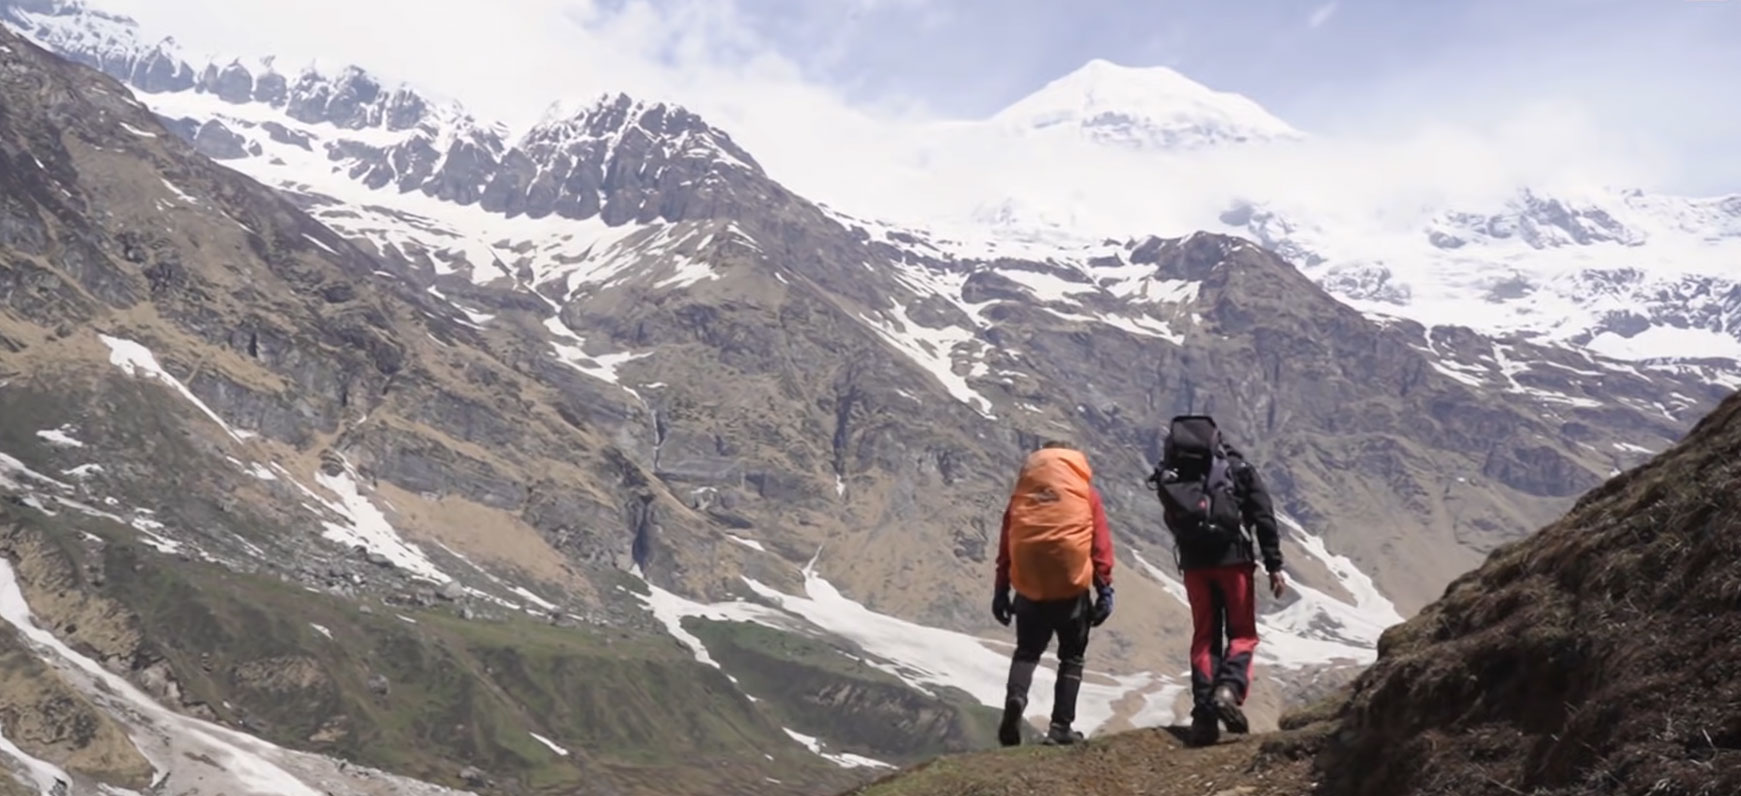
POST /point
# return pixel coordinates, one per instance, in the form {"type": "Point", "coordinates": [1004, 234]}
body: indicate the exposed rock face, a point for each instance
{"type": "Point", "coordinates": [412, 405]}
{"type": "Point", "coordinates": [172, 350]}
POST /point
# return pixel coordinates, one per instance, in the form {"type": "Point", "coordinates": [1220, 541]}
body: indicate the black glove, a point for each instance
{"type": "Point", "coordinates": [1103, 606]}
{"type": "Point", "coordinates": [1000, 606]}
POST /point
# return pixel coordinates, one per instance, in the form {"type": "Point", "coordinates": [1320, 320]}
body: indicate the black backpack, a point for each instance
{"type": "Point", "coordinates": [1196, 486]}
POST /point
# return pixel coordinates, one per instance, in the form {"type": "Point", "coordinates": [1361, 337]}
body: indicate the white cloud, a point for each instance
{"type": "Point", "coordinates": [505, 59]}
{"type": "Point", "coordinates": [1389, 182]}
{"type": "Point", "coordinates": [1321, 15]}
{"type": "Point", "coordinates": [509, 59]}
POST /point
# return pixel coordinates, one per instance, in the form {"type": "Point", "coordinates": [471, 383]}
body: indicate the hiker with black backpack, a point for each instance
{"type": "Point", "coordinates": [1213, 501]}
{"type": "Point", "coordinates": [1054, 550]}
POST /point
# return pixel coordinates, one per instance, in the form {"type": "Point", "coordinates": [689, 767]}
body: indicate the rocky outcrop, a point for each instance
{"type": "Point", "coordinates": [620, 159]}
{"type": "Point", "coordinates": [1542, 671]}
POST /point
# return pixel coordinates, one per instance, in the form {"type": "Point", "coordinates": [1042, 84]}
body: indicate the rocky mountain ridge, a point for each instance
{"type": "Point", "coordinates": [949, 327]}
{"type": "Point", "coordinates": [1636, 277]}
{"type": "Point", "coordinates": [1628, 274]}
{"type": "Point", "coordinates": [725, 416]}
{"type": "Point", "coordinates": [216, 430]}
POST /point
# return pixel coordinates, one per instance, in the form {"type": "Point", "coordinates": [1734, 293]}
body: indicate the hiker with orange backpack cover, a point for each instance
{"type": "Point", "coordinates": [1054, 550]}
{"type": "Point", "coordinates": [1210, 496]}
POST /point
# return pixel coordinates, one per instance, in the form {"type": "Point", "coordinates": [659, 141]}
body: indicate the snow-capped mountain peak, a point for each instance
{"type": "Point", "coordinates": [1150, 107]}
{"type": "Point", "coordinates": [617, 118]}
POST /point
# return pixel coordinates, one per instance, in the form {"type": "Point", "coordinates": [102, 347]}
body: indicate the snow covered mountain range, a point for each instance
{"type": "Point", "coordinates": [1625, 274]}
{"type": "Point", "coordinates": [605, 273]}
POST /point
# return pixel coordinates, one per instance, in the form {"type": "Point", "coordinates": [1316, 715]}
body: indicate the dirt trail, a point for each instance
{"type": "Point", "coordinates": [1152, 762]}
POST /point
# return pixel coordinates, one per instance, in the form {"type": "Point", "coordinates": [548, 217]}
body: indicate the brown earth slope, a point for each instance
{"type": "Point", "coordinates": [1600, 656]}
{"type": "Point", "coordinates": [1153, 762]}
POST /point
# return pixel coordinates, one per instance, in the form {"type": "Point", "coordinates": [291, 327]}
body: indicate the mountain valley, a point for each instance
{"type": "Point", "coordinates": [345, 437]}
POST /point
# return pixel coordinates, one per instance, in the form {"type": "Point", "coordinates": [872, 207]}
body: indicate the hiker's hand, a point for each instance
{"type": "Point", "coordinates": [1000, 607]}
{"type": "Point", "coordinates": [1103, 607]}
{"type": "Point", "coordinates": [1278, 584]}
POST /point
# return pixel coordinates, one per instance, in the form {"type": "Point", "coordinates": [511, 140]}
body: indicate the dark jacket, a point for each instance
{"type": "Point", "coordinates": [1259, 519]}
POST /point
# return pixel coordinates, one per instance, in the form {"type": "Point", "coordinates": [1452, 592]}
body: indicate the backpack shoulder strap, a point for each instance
{"type": "Point", "coordinates": [1237, 466]}
{"type": "Point", "coordinates": [1220, 468]}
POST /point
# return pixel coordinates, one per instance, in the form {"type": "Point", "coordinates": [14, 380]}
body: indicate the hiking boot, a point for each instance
{"type": "Point", "coordinates": [1227, 708]}
{"type": "Point", "coordinates": [1204, 729]}
{"type": "Point", "coordinates": [1060, 735]}
{"type": "Point", "coordinates": [1009, 732]}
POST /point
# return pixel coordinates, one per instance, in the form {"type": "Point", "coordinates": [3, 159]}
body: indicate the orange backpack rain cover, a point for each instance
{"type": "Point", "coordinates": [1051, 529]}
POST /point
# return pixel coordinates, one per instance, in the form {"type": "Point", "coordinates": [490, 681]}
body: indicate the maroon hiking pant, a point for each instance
{"type": "Point", "coordinates": [1223, 599]}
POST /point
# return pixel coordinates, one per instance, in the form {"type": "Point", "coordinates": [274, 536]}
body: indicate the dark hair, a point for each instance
{"type": "Point", "coordinates": [1056, 443]}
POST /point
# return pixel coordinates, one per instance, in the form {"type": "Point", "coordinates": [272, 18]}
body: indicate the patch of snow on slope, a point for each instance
{"type": "Point", "coordinates": [60, 436]}
{"type": "Point", "coordinates": [928, 657]}
{"type": "Point", "coordinates": [1510, 368]}
{"type": "Point", "coordinates": [83, 471]}
{"type": "Point", "coordinates": [1159, 708]}
{"type": "Point", "coordinates": [1378, 611]}
{"type": "Point", "coordinates": [137, 361]}
{"type": "Point", "coordinates": [1046, 286]}
{"type": "Point", "coordinates": [1138, 283]}
{"type": "Point", "coordinates": [1144, 326]}
{"type": "Point", "coordinates": [1318, 628]}
{"type": "Point", "coordinates": [321, 629]}
{"type": "Point", "coordinates": [1174, 587]}
{"type": "Point", "coordinates": [181, 194]}
{"type": "Point", "coordinates": [689, 272]}
{"type": "Point", "coordinates": [10, 466]}
{"type": "Point", "coordinates": [149, 528]}
{"type": "Point", "coordinates": [369, 527]}
{"type": "Point", "coordinates": [479, 593]}
{"type": "Point", "coordinates": [317, 242]}
{"type": "Point", "coordinates": [844, 760]}
{"type": "Point", "coordinates": [932, 350]}
{"type": "Point", "coordinates": [569, 352]}
{"type": "Point", "coordinates": [534, 599]}
{"type": "Point", "coordinates": [670, 609]}
{"type": "Point", "coordinates": [138, 132]}
{"type": "Point", "coordinates": [46, 775]}
{"type": "Point", "coordinates": [548, 743]}
{"type": "Point", "coordinates": [925, 281]}
{"type": "Point", "coordinates": [1456, 372]}
{"type": "Point", "coordinates": [750, 543]}
{"type": "Point", "coordinates": [1667, 341]}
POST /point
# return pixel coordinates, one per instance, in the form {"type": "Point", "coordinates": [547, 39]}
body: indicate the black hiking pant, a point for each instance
{"type": "Point", "coordinates": [1036, 624]}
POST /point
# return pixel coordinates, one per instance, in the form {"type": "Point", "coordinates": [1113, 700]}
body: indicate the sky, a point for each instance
{"type": "Point", "coordinates": [1638, 91]}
